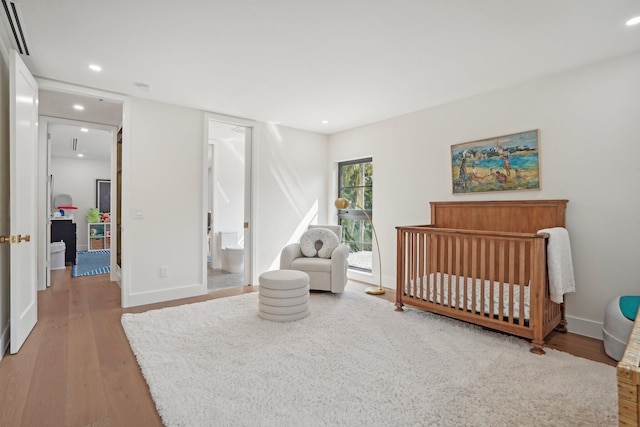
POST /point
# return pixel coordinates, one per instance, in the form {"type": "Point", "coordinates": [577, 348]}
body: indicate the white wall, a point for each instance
{"type": "Point", "coordinates": [589, 150]}
{"type": "Point", "coordinates": [162, 180]}
{"type": "Point", "coordinates": [162, 176]}
{"type": "Point", "coordinates": [77, 178]}
{"type": "Point", "coordinates": [291, 183]}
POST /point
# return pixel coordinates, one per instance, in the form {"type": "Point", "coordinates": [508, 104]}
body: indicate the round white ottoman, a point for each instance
{"type": "Point", "coordinates": [283, 295]}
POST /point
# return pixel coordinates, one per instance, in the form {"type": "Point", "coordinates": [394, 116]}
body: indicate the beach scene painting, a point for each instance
{"type": "Point", "coordinates": [503, 163]}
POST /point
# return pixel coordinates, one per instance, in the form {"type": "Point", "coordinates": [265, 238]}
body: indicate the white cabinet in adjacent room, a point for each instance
{"type": "Point", "coordinates": [99, 236]}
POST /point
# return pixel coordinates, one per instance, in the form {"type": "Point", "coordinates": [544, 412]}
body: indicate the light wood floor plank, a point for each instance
{"type": "Point", "coordinates": [124, 385]}
{"type": "Point", "coordinates": [51, 374]}
{"type": "Point", "coordinates": [86, 402]}
{"type": "Point", "coordinates": [17, 379]}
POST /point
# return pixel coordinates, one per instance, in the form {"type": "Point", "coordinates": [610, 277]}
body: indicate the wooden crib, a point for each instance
{"type": "Point", "coordinates": [471, 261]}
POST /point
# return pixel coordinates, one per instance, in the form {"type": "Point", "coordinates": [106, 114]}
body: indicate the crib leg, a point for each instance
{"type": "Point", "coordinates": [399, 306]}
{"type": "Point", "coordinates": [537, 347]}
{"type": "Point", "coordinates": [562, 327]}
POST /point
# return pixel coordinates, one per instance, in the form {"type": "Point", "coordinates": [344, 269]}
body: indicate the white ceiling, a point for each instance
{"type": "Point", "coordinates": [96, 110]}
{"type": "Point", "coordinates": [98, 116]}
{"type": "Point", "coordinates": [225, 132]}
{"type": "Point", "coordinates": [299, 62]}
{"type": "Point", "coordinates": [71, 141]}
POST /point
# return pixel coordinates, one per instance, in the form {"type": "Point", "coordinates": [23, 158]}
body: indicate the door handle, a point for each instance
{"type": "Point", "coordinates": [15, 239]}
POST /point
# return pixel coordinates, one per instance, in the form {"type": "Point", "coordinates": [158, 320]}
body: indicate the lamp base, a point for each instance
{"type": "Point", "coordinates": [377, 290]}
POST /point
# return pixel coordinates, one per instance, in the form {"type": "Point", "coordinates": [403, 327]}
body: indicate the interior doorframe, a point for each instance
{"type": "Point", "coordinates": [45, 209]}
{"type": "Point", "coordinates": [249, 194]}
{"type": "Point", "coordinates": [117, 274]}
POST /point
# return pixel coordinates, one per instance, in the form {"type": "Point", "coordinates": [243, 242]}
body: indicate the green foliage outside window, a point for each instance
{"type": "Point", "coordinates": [353, 235]}
{"type": "Point", "coordinates": [356, 185]}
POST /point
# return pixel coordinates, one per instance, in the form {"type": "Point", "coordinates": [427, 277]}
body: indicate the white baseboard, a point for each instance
{"type": "Point", "coordinates": [360, 276]}
{"type": "Point", "coordinates": [585, 327]}
{"type": "Point", "coordinates": [364, 277]}
{"type": "Point", "coordinates": [144, 298]}
{"type": "Point", "coordinates": [4, 340]}
{"type": "Point", "coordinates": [116, 276]}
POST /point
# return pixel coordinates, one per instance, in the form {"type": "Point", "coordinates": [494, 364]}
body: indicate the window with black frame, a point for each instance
{"type": "Point", "coordinates": [355, 183]}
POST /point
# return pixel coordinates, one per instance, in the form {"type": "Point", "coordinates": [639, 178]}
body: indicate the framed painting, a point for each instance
{"type": "Point", "coordinates": [103, 195]}
{"type": "Point", "coordinates": [503, 163]}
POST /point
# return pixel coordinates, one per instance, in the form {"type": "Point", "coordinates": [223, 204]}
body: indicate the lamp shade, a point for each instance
{"type": "Point", "coordinates": [341, 203]}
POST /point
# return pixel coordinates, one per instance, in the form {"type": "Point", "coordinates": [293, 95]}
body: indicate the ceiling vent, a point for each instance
{"type": "Point", "coordinates": [74, 144]}
{"type": "Point", "coordinates": [13, 22]}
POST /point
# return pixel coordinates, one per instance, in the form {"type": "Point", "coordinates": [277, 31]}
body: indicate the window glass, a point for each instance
{"type": "Point", "coordinates": [356, 185]}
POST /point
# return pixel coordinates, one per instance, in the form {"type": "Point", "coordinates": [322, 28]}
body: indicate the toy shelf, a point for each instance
{"type": "Point", "coordinates": [98, 236]}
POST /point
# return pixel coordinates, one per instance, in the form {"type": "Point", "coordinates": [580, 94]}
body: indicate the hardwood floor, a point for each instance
{"type": "Point", "coordinates": [578, 345]}
{"type": "Point", "coordinates": [77, 369]}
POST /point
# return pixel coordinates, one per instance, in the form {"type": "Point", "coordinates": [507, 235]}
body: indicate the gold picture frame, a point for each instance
{"type": "Point", "coordinates": [502, 163]}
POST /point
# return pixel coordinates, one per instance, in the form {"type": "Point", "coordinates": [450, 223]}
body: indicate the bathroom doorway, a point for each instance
{"type": "Point", "coordinates": [228, 204]}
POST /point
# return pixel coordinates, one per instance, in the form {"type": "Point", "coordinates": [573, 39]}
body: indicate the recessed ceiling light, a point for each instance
{"type": "Point", "coordinates": [95, 67]}
{"type": "Point", "coordinates": [84, 130]}
{"type": "Point", "coordinates": [80, 155]}
{"type": "Point", "coordinates": [633, 21]}
{"type": "Point", "coordinates": [78, 107]}
{"type": "Point", "coordinates": [324, 122]}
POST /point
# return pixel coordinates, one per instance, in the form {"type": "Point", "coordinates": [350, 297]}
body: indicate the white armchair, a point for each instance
{"type": "Point", "coordinates": [325, 274]}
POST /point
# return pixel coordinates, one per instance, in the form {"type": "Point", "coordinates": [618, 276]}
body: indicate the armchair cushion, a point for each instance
{"type": "Point", "coordinates": [312, 264]}
{"type": "Point", "coordinates": [318, 241]}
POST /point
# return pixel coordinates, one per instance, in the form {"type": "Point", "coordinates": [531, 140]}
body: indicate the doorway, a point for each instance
{"type": "Point", "coordinates": [78, 147]}
{"type": "Point", "coordinates": [227, 203]}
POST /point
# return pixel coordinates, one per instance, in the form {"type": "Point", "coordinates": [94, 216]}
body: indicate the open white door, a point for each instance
{"type": "Point", "coordinates": [23, 201]}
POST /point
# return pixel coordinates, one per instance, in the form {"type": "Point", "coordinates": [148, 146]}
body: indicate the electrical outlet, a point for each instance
{"type": "Point", "coordinates": [164, 271]}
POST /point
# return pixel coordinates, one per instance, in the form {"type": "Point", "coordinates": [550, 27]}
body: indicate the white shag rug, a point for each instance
{"type": "Point", "coordinates": [356, 362]}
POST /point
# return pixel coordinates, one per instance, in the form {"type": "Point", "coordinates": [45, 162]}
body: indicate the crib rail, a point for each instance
{"type": "Point", "coordinates": [494, 279]}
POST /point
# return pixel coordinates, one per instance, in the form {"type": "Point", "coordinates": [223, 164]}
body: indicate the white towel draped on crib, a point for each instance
{"type": "Point", "coordinates": [559, 263]}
